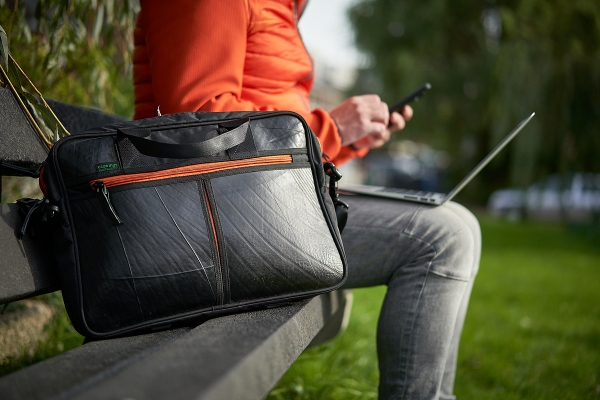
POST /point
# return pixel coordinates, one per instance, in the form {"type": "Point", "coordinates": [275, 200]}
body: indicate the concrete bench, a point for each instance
{"type": "Point", "coordinates": [238, 356]}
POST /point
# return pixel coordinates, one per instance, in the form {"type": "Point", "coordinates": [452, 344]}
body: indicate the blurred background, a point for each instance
{"type": "Point", "coordinates": [533, 328]}
{"type": "Point", "coordinates": [491, 63]}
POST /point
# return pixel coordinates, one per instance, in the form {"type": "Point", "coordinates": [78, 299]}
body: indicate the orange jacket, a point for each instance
{"type": "Point", "coordinates": [227, 55]}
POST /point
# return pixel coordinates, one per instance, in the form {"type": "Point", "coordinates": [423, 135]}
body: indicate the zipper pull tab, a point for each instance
{"type": "Point", "coordinates": [341, 208]}
{"type": "Point", "coordinates": [104, 198]}
{"type": "Point", "coordinates": [334, 176]}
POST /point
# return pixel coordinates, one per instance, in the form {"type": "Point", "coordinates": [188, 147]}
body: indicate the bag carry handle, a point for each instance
{"type": "Point", "coordinates": [225, 141]}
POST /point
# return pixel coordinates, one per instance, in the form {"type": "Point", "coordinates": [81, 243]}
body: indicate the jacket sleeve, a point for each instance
{"type": "Point", "coordinates": [326, 130]}
{"type": "Point", "coordinates": [197, 51]}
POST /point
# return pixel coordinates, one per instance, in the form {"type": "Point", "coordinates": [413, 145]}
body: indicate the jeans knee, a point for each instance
{"type": "Point", "coordinates": [453, 257]}
{"type": "Point", "coordinates": [471, 233]}
{"type": "Point", "coordinates": [454, 234]}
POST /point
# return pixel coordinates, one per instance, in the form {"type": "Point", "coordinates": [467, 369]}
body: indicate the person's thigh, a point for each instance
{"type": "Point", "coordinates": [383, 235]}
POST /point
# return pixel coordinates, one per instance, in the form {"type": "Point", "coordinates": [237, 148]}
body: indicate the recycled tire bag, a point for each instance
{"type": "Point", "coordinates": [183, 217]}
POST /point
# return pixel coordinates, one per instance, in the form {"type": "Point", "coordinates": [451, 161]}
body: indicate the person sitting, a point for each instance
{"type": "Point", "coordinates": [238, 55]}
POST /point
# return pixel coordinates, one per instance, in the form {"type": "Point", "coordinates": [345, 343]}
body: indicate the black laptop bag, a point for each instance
{"type": "Point", "coordinates": [182, 217]}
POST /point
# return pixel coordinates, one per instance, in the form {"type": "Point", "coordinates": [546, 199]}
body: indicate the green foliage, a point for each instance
{"type": "Point", "coordinates": [531, 332]}
{"type": "Point", "coordinates": [76, 51]}
{"type": "Point", "coordinates": [79, 52]}
{"type": "Point", "coordinates": [60, 337]}
{"type": "Point", "coordinates": [491, 63]}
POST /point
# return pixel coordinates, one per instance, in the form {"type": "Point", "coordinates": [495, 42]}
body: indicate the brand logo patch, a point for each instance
{"type": "Point", "coordinates": [107, 166]}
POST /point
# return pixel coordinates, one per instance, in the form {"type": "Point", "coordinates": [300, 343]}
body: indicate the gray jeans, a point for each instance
{"type": "Point", "coordinates": [428, 257]}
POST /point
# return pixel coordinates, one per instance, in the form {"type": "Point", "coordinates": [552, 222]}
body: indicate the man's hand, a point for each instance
{"type": "Point", "coordinates": [365, 122]}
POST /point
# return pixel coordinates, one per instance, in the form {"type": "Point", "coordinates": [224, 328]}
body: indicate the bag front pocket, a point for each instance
{"type": "Point", "coordinates": [275, 240]}
{"type": "Point", "coordinates": [160, 262]}
{"type": "Point", "coordinates": [164, 254]}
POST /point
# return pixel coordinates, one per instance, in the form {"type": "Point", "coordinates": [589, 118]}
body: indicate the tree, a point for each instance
{"type": "Point", "coordinates": [491, 63]}
{"type": "Point", "coordinates": [76, 51]}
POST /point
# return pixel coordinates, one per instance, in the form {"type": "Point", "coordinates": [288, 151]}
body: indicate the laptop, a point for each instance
{"type": "Point", "coordinates": [431, 197]}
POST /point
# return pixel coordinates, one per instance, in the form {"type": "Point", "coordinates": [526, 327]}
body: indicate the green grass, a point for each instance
{"type": "Point", "coordinates": [532, 331]}
{"type": "Point", "coordinates": [344, 368]}
{"type": "Point", "coordinates": [60, 337]}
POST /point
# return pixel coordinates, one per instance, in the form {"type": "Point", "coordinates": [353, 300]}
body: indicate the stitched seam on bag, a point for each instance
{"type": "Point", "coordinates": [118, 153]}
{"type": "Point", "coordinates": [187, 242]}
{"type": "Point", "coordinates": [221, 248]}
{"type": "Point", "coordinates": [214, 250]}
{"type": "Point", "coordinates": [238, 146]}
{"type": "Point", "coordinates": [251, 140]}
{"type": "Point", "coordinates": [66, 218]}
{"type": "Point", "coordinates": [131, 273]}
{"type": "Point", "coordinates": [196, 270]}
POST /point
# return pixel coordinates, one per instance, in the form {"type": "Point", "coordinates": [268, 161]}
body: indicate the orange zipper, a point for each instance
{"type": "Point", "coordinates": [190, 170]}
{"type": "Point", "coordinates": [218, 276]}
{"type": "Point", "coordinates": [212, 219]}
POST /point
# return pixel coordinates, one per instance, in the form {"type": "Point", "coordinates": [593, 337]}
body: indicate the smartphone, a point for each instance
{"type": "Point", "coordinates": [420, 92]}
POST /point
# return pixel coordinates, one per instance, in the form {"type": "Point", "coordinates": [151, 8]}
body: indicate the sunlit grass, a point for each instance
{"type": "Point", "coordinates": [532, 331]}
{"type": "Point", "coordinates": [344, 368]}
